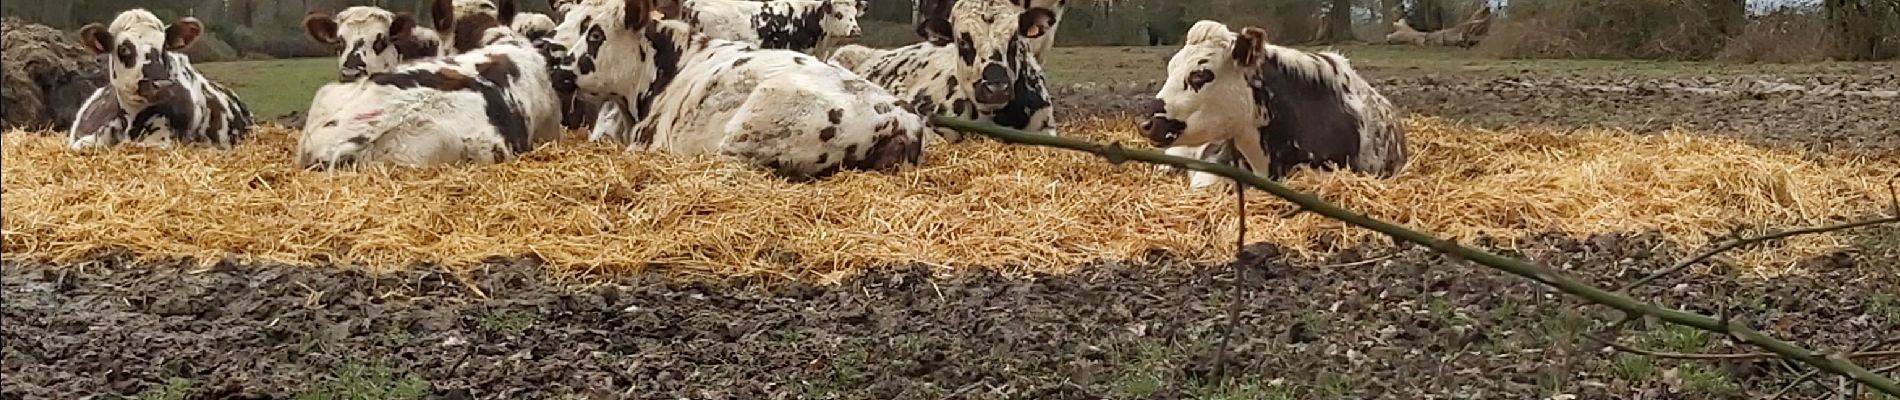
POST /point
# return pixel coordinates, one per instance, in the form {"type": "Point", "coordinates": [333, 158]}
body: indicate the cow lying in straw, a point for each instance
{"type": "Point", "coordinates": [1279, 107]}
{"type": "Point", "coordinates": [155, 97]}
{"type": "Point", "coordinates": [778, 109]}
{"type": "Point", "coordinates": [373, 39]}
{"type": "Point", "coordinates": [488, 104]}
{"type": "Point", "coordinates": [926, 9]}
{"type": "Point", "coordinates": [800, 25]}
{"type": "Point", "coordinates": [975, 65]}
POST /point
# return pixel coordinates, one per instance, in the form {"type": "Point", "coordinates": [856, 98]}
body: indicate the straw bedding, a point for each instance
{"type": "Point", "coordinates": [583, 207]}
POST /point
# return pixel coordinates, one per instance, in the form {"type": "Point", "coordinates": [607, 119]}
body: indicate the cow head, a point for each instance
{"type": "Point", "coordinates": [367, 35]}
{"type": "Point", "coordinates": [988, 37]}
{"type": "Point", "coordinates": [597, 34]}
{"type": "Point", "coordinates": [138, 42]}
{"type": "Point", "coordinates": [1208, 95]}
{"type": "Point", "coordinates": [465, 24]}
{"type": "Point", "coordinates": [841, 18]}
{"type": "Point", "coordinates": [344, 122]}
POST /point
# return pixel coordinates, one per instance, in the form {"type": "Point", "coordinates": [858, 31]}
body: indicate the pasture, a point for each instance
{"type": "Point", "coordinates": [990, 271]}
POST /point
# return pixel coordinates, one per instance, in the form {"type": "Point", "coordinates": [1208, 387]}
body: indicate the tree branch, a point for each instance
{"type": "Point", "coordinates": [1514, 266]}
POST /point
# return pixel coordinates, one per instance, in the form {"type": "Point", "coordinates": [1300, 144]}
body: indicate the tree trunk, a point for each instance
{"type": "Point", "coordinates": [1338, 22]}
{"type": "Point", "coordinates": [1865, 29]}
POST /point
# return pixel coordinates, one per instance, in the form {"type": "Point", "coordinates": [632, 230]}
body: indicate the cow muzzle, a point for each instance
{"type": "Point", "coordinates": [994, 87]}
{"type": "Point", "coordinates": [1160, 130]}
{"type": "Point", "coordinates": [155, 89]}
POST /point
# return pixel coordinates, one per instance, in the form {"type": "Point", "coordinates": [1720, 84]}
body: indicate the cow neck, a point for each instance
{"type": "Point", "coordinates": [671, 45]}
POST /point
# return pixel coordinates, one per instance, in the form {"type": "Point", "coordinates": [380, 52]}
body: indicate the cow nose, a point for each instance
{"type": "Point", "coordinates": [354, 62]}
{"type": "Point", "coordinates": [1154, 107]}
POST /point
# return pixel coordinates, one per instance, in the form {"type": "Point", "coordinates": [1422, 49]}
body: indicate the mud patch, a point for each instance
{"type": "Point", "coordinates": [1411, 325]}
{"type": "Point", "coordinates": [47, 74]}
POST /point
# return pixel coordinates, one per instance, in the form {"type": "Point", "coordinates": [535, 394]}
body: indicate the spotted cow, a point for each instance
{"type": "Point", "coordinates": [372, 39]}
{"type": "Point", "coordinates": [975, 65]}
{"type": "Point", "coordinates": [800, 25]}
{"type": "Point", "coordinates": [1277, 107]}
{"type": "Point", "coordinates": [781, 110]}
{"type": "Point", "coordinates": [487, 104]}
{"type": "Point", "coordinates": [925, 9]}
{"type": "Point", "coordinates": [155, 97]}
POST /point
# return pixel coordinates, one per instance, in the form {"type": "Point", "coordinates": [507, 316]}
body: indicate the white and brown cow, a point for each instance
{"type": "Point", "coordinates": [155, 97]}
{"type": "Point", "coordinates": [799, 25]}
{"type": "Point", "coordinates": [372, 39]}
{"type": "Point", "coordinates": [975, 65]}
{"type": "Point", "coordinates": [781, 110]}
{"type": "Point", "coordinates": [1278, 107]}
{"type": "Point", "coordinates": [487, 104]}
{"type": "Point", "coordinates": [925, 9]}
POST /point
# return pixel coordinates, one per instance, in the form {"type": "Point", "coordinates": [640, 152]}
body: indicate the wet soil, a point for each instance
{"type": "Point", "coordinates": [1412, 325]}
{"type": "Point", "coordinates": [1833, 112]}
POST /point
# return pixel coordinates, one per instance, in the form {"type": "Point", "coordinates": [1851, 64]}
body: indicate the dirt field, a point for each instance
{"type": "Point", "coordinates": [1409, 326]}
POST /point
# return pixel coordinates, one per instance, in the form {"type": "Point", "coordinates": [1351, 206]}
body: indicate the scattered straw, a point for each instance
{"type": "Point", "coordinates": [590, 207]}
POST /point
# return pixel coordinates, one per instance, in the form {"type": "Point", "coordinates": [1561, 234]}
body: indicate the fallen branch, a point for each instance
{"type": "Point", "coordinates": [1732, 245]}
{"type": "Point", "coordinates": [1715, 356]}
{"type": "Point", "coordinates": [1546, 276]}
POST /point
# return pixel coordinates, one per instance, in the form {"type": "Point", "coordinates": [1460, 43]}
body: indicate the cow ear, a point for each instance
{"type": "Point", "coordinates": [507, 12]}
{"type": "Point", "coordinates": [403, 25]}
{"type": "Point", "coordinates": [1035, 22]}
{"type": "Point", "coordinates": [937, 30]}
{"type": "Point", "coordinates": [1250, 47]}
{"type": "Point", "coordinates": [639, 13]}
{"type": "Point", "coordinates": [183, 33]}
{"type": "Point", "coordinates": [96, 38]}
{"type": "Point", "coordinates": [320, 28]}
{"type": "Point", "coordinates": [442, 13]}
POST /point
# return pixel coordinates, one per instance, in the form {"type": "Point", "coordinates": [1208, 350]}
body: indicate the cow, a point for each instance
{"type": "Point", "coordinates": [155, 97]}
{"type": "Point", "coordinates": [924, 10]}
{"type": "Point", "coordinates": [800, 25]}
{"type": "Point", "coordinates": [372, 39]}
{"type": "Point", "coordinates": [1277, 107]}
{"type": "Point", "coordinates": [780, 110]}
{"type": "Point", "coordinates": [975, 65]}
{"type": "Point", "coordinates": [487, 104]}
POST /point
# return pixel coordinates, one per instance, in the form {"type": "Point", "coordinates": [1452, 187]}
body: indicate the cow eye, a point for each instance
{"type": "Point", "coordinates": [331, 124]}
{"type": "Point", "coordinates": [1200, 77]}
{"type": "Point", "coordinates": [595, 35]}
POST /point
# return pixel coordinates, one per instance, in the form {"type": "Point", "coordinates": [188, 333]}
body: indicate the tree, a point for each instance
{"type": "Point", "coordinates": [1338, 22]}
{"type": "Point", "coordinates": [1865, 29]}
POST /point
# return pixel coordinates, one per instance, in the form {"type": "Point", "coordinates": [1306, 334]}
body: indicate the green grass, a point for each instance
{"type": "Point", "coordinates": [173, 389]}
{"type": "Point", "coordinates": [274, 87]}
{"type": "Point", "coordinates": [355, 382]}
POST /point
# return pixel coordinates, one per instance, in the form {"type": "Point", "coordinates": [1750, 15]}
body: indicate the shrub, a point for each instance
{"type": "Point", "coordinates": [1786, 35]}
{"type": "Point", "coordinates": [1643, 29]}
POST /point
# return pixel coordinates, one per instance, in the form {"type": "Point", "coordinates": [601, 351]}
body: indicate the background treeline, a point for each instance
{"type": "Point", "coordinates": [1645, 29]}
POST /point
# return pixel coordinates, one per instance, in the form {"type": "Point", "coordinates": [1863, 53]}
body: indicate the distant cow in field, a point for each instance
{"type": "Point", "coordinates": [925, 10]}
{"type": "Point", "coordinates": [155, 97]}
{"type": "Point", "coordinates": [372, 39]}
{"type": "Point", "coordinates": [1278, 107]}
{"type": "Point", "coordinates": [799, 25]}
{"type": "Point", "coordinates": [780, 110]}
{"type": "Point", "coordinates": [487, 104]}
{"type": "Point", "coordinates": [976, 65]}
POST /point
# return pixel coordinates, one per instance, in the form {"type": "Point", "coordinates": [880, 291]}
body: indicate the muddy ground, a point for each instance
{"type": "Point", "coordinates": [1407, 327]}
{"type": "Point", "coordinates": [1825, 110]}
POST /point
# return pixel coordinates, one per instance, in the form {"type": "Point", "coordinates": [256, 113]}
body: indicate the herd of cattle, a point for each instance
{"type": "Point", "coordinates": [738, 78]}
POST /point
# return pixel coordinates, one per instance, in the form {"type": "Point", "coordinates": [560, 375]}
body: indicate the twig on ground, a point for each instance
{"type": "Point", "coordinates": [1717, 356]}
{"type": "Point", "coordinates": [1732, 245]}
{"type": "Point", "coordinates": [1514, 266]}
